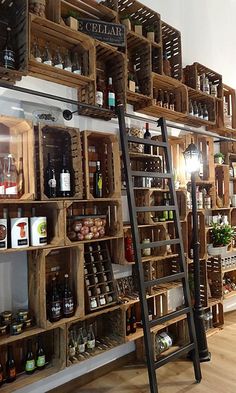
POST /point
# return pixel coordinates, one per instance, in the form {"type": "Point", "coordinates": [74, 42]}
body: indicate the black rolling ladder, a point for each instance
{"type": "Point", "coordinates": [180, 275]}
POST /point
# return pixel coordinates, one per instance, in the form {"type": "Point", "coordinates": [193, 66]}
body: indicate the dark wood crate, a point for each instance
{"type": "Point", "coordinates": [192, 71]}
{"type": "Point", "coordinates": [222, 185]}
{"type": "Point", "coordinates": [215, 278]}
{"type": "Point", "coordinates": [14, 14]}
{"type": "Point", "coordinates": [55, 140]}
{"type": "Point", "coordinates": [203, 99]}
{"type": "Point", "coordinates": [171, 45]}
{"type": "Point", "coordinates": [204, 291]}
{"type": "Point", "coordinates": [42, 267]}
{"type": "Point", "coordinates": [226, 114]}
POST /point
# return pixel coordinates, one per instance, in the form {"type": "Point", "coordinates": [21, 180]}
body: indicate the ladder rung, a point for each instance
{"type": "Point", "coordinates": [174, 355]}
{"type": "Point", "coordinates": [151, 174]}
{"type": "Point", "coordinates": [155, 208]}
{"type": "Point", "coordinates": [147, 142]}
{"type": "Point", "coordinates": [168, 317]}
{"type": "Point", "coordinates": [163, 280]}
{"type": "Point", "coordinates": [159, 243]}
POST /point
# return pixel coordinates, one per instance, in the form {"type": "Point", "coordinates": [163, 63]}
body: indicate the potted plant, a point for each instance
{"type": "Point", "coordinates": [151, 33]}
{"type": "Point", "coordinates": [72, 20]}
{"type": "Point", "coordinates": [125, 20]}
{"type": "Point", "coordinates": [221, 235]}
{"type": "Point", "coordinates": [219, 158]}
{"type": "Point", "coordinates": [138, 27]}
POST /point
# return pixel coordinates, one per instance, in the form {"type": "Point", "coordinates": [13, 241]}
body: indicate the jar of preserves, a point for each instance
{"type": "Point", "coordinates": [146, 251]}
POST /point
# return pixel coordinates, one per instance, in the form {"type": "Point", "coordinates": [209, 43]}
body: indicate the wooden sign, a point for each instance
{"type": "Point", "coordinates": [111, 33]}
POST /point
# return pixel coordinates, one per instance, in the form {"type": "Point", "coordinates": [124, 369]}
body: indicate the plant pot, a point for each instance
{"type": "Point", "coordinates": [138, 29]}
{"type": "Point", "coordinates": [72, 23]}
{"type": "Point", "coordinates": [216, 250]}
{"type": "Point", "coordinates": [218, 160]}
{"type": "Point", "coordinates": [127, 23]}
{"type": "Point", "coordinates": [151, 36]}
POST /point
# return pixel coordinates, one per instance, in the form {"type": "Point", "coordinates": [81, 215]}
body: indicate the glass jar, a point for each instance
{"type": "Point", "coordinates": [16, 328]}
{"type": "Point", "coordinates": [22, 315]}
{"type": "Point", "coordinates": [102, 300]}
{"type": "Point", "coordinates": [93, 303]}
{"type": "Point", "coordinates": [109, 299]}
{"type": "Point", "coordinates": [6, 316]}
{"type": "Point", "coordinates": [146, 251]}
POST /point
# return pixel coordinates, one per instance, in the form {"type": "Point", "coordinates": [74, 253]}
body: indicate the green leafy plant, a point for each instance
{"type": "Point", "coordinates": [221, 235]}
{"type": "Point", "coordinates": [137, 23]}
{"type": "Point", "coordinates": [72, 14]}
{"type": "Point", "coordinates": [219, 155]}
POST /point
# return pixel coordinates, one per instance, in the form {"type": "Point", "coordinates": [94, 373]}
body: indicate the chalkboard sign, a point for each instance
{"type": "Point", "coordinates": [111, 33]}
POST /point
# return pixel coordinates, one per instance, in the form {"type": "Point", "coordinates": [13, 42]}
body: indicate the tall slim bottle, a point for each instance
{"type": "Point", "coordinates": [111, 98]}
{"type": "Point", "coordinates": [9, 56]}
{"type": "Point", "coordinates": [147, 135]}
{"type": "Point", "coordinates": [65, 179]}
{"type": "Point", "coordinates": [10, 366]}
{"type": "Point", "coordinates": [67, 299]}
{"type": "Point", "coordinates": [50, 182]}
{"type": "Point", "coordinates": [55, 309]}
{"type": "Point", "coordinates": [30, 359]}
{"type": "Point", "coordinates": [40, 355]}
{"type": "Point", "coordinates": [97, 181]}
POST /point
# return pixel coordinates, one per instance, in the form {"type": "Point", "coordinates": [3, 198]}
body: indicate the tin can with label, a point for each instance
{"type": "Point", "coordinates": [38, 231]}
{"type": "Point", "coordinates": [19, 232]}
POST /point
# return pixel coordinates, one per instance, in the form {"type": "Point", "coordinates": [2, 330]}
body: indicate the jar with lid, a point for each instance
{"type": "Point", "coordinates": [16, 328]}
{"type": "Point", "coordinates": [102, 300]}
{"type": "Point", "coordinates": [146, 251]}
{"type": "Point", "coordinates": [6, 316]}
{"type": "Point", "coordinates": [22, 315]}
{"type": "Point", "coordinates": [93, 303]}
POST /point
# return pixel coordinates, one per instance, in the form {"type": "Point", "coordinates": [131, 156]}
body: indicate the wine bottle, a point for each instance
{"type": "Point", "coordinates": [81, 343]}
{"type": "Point", "coordinates": [10, 366]}
{"type": "Point", "coordinates": [76, 65]}
{"type": "Point", "coordinates": [137, 87]}
{"type": "Point", "coordinates": [55, 309]}
{"type": "Point", "coordinates": [40, 356]}
{"type": "Point", "coordinates": [127, 322]}
{"type": "Point", "coordinates": [65, 179]}
{"type": "Point", "coordinates": [90, 338]}
{"type": "Point", "coordinates": [190, 110]}
{"type": "Point", "coordinates": [30, 360]}
{"type": "Point", "coordinates": [20, 178]}
{"type": "Point", "coordinates": [111, 98]}
{"type": "Point", "coordinates": [133, 321]}
{"type": "Point", "coordinates": [67, 62]}
{"type": "Point", "coordinates": [97, 181]}
{"type": "Point", "coordinates": [170, 213]}
{"type": "Point", "coordinates": [172, 102]}
{"type": "Point", "coordinates": [147, 135]}
{"type": "Point", "coordinates": [57, 61]}
{"type": "Point", "coordinates": [71, 345]}
{"type": "Point", "coordinates": [99, 93]}
{"type": "Point", "coordinates": [47, 56]}
{"type": "Point", "coordinates": [160, 98]}
{"type": "Point", "coordinates": [67, 299]}
{"type": "Point", "coordinates": [36, 52]}
{"type": "Point", "coordinates": [9, 56]}
{"type": "Point", "coordinates": [50, 183]}
{"type": "Point", "coordinates": [166, 100]}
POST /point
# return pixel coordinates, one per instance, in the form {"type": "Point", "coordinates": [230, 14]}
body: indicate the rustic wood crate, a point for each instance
{"type": "Point", "coordinates": [201, 233]}
{"type": "Point", "coordinates": [54, 213]}
{"type": "Point", "coordinates": [14, 14]}
{"type": "Point", "coordinates": [226, 115]}
{"type": "Point", "coordinates": [218, 314]}
{"type": "Point", "coordinates": [55, 140]}
{"type": "Point", "coordinates": [108, 328]}
{"type": "Point", "coordinates": [97, 256]}
{"type": "Point", "coordinates": [203, 99]}
{"type": "Point", "coordinates": [222, 185]}
{"type": "Point", "coordinates": [171, 45]}
{"type": "Point", "coordinates": [42, 267]}
{"type": "Point", "coordinates": [215, 278]}
{"type": "Point", "coordinates": [108, 210]}
{"type": "Point", "coordinates": [57, 10]}
{"type": "Point", "coordinates": [204, 291]}
{"type": "Point", "coordinates": [17, 138]}
{"type": "Point", "coordinates": [54, 344]}
{"type": "Point", "coordinates": [103, 147]}
{"type": "Point", "coordinates": [192, 71]}
{"type": "Point", "coordinates": [44, 30]}
{"type": "Point", "coordinates": [146, 162]}
{"type": "Point", "coordinates": [157, 59]}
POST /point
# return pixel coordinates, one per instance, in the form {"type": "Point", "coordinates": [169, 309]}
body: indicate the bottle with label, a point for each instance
{"type": "Point", "coordinates": [91, 338]}
{"type": "Point", "coordinates": [68, 306]}
{"type": "Point", "coordinates": [71, 345]}
{"type": "Point", "coordinates": [133, 325]}
{"type": "Point", "coordinates": [50, 183]}
{"type": "Point", "coordinates": [205, 113]}
{"type": "Point", "coordinates": [10, 177]}
{"type": "Point", "coordinates": [3, 230]}
{"type": "Point", "coordinates": [40, 356]}
{"type": "Point", "coordinates": [55, 308]}
{"type": "Point", "coordinates": [213, 90]}
{"type": "Point", "coordinates": [200, 111]}
{"type": "Point", "coordinates": [57, 61]}
{"type": "Point", "coordinates": [190, 108]}
{"type": "Point", "coordinates": [166, 100]}
{"type": "Point", "coordinates": [97, 181]}
{"type": "Point", "coordinates": [128, 323]}
{"type": "Point", "coordinates": [195, 109]}
{"type": "Point", "coordinates": [166, 65]}
{"type": "Point", "coordinates": [67, 62]}
{"type": "Point", "coordinates": [165, 214]}
{"type": "Point", "coordinates": [8, 53]}
{"type": "Point", "coordinates": [76, 64]}
{"type": "Point", "coordinates": [111, 98]}
{"type": "Point", "coordinates": [170, 213]}
{"type": "Point", "coordinates": [1, 375]}
{"type": "Point", "coordinates": [172, 102]}
{"type": "Point", "coordinates": [36, 52]}
{"type": "Point", "coordinates": [10, 366]}
{"type": "Point", "coordinates": [160, 98]}
{"type": "Point", "coordinates": [30, 360]}
{"type": "Point", "coordinates": [99, 93]}
{"type": "Point", "coordinates": [65, 179]}
{"type": "Point", "coordinates": [147, 135]}
{"type": "Point", "coordinates": [47, 56]}
{"type": "Point", "coordinates": [206, 86]}
{"type": "Point", "coordinates": [137, 88]}
{"type": "Point", "coordinates": [81, 343]}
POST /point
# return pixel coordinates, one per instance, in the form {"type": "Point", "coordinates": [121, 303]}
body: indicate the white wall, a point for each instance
{"type": "Point", "coordinates": [208, 36]}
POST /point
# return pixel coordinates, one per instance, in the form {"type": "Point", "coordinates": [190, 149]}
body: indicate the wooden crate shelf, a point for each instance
{"type": "Point", "coordinates": [17, 139]}
{"type": "Point", "coordinates": [226, 111]}
{"type": "Point", "coordinates": [14, 14]}
{"type": "Point", "coordinates": [204, 293]}
{"type": "Point", "coordinates": [54, 344]}
{"type": "Point", "coordinates": [222, 185]}
{"type": "Point", "coordinates": [103, 147]}
{"type": "Point", "coordinates": [215, 278]}
{"type": "Point", "coordinates": [42, 267]}
{"type": "Point", "coordinates": [55, 140]}
{"type": "Point", "coordinates": [171, 45]}
{"type": "Point", "coordinates": [203, 99]}
{"type": "Point", "coordinates": [44, 31]}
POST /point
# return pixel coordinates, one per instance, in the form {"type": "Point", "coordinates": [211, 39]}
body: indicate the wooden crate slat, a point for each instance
{"type": "Point", "coordinates": [171, 45]}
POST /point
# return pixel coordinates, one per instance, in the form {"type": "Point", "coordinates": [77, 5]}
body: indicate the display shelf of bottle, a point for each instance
{"type": "Point", "coordinates": [212, 301]}
{"type": "Point", "coordinates": [136, 98]}
{"type": "Point", "coordinates": [196, 121]}
{"type": "Point", "coordinates": [201, 182]}
{"type": "Point", "coordinates": [198, 94]}
{"type": "Point", "coordinates": [144, 156]}
{"type": "Point", "coordinates": [48, 31]}
{"type": "Point", "coordinates": [11, 76]}
{"type": "Point", "coordinates": [7, 339]}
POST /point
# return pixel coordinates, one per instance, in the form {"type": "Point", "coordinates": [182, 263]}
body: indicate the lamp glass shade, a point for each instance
{"type": "Point", "coordinates": [192, 158]}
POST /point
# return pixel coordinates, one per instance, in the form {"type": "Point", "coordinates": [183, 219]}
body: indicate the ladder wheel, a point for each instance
{"type": "Point", "coordinates": [198, 380]}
